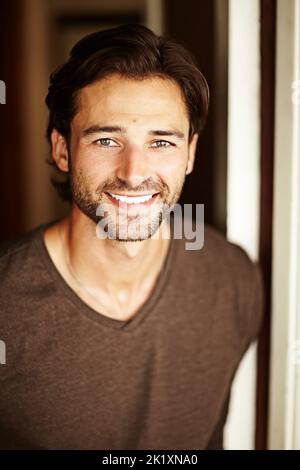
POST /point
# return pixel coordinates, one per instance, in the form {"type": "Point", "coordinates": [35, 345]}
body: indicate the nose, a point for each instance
{"type": "Point", "coordinates": [133, 167]}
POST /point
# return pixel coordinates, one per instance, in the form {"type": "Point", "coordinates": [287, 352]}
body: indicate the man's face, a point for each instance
{"type": "Point", "coordinates": [129, 139]}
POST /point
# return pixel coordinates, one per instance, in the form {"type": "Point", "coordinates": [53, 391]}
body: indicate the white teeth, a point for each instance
{"type": "Point", "coordinates": [131, 200]}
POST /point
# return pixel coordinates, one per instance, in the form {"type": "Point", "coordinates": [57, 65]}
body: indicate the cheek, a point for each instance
{"type": "Point", "coordinates": [91, 166]}
{"type": "Point", "coordinates": [171, 169]}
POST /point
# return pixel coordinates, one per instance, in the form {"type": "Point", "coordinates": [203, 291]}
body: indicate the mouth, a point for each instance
{"type": "Point", "coordinates": [129, 200]}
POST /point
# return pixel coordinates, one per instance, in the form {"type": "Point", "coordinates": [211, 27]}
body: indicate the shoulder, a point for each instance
{"type": "Point", "coordinates": [205, 242]}
{"type": "Point", "coordinates": [19, 243]}
{"type": "Point", "coordinates": [21, 263]}
{"type": "Point", "coordinates": [226, 268]}
{"type": "Point", "coordinates": [28, 245]}
{"type": "Point", "coordinates": [247, 280]}
{"type": "Point", "coordinates": [24, 280]}
{"type": "Point", "coordinates": [13, 252]}
{"type": "Point", "coordinates": [234, 256]}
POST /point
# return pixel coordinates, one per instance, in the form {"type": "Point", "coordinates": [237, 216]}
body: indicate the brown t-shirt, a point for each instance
{"type": "Point", "coordinates": [77, 379]}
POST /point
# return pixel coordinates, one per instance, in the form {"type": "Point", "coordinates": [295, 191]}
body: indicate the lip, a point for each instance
{"type": "Point", "coordinates": [119, 203]}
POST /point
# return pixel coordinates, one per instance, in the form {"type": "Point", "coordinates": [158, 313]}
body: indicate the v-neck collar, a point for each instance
{"type": "Point", "coordinates": [85, 309]}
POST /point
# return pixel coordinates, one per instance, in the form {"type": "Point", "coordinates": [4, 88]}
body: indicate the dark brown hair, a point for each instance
{"type": "Point", "coordinates": [134, 51]}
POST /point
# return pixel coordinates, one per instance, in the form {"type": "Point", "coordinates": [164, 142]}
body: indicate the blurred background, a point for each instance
{"type": "Point", "coordinates": [38, 35]}
{"type": "Point", "coordinates": [247, 167]}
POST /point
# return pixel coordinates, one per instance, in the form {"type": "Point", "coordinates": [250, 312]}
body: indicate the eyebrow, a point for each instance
{"type": "Point", "coordinates": [160, 132]}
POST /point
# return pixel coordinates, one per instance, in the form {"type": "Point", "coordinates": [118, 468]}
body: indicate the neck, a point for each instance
{"type": "Point", "coordinates": [114, 265]}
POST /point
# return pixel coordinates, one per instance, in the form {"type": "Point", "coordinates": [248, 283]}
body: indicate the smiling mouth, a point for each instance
{"type": "Point", "coordinates": [126, 199]}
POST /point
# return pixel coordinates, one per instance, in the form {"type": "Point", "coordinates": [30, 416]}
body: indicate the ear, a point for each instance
{"type": "Point", "coordinates": [192, 154]}
{"type": "Point", "coordinates": [59, 151]}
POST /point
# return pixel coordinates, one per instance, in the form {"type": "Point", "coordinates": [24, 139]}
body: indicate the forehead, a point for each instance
{"type": "Point", "coordinates": [150, 100]}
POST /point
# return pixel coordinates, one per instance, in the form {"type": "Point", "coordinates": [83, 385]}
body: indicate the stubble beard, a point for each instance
{"type": "Point", "coordinates": [117, 223]}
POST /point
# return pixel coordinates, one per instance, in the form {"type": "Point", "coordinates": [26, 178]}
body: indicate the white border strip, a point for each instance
{"type": "Point", "coordinates": [295, 248]}
{"type": "Point", "coordinates": [296, 146]}
{"type": "Point", "coordinates": [284, 410]}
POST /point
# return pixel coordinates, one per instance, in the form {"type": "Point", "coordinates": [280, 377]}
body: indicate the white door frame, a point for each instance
{"type": "Point", "coordinates": [243, 190]}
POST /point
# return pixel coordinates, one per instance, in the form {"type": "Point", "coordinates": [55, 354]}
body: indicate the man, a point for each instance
{"type": "Point", "coordinates": [117, 336]}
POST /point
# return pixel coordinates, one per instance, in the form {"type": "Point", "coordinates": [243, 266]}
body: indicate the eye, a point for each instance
{"type": "Point", "coordinates": [163, 143]}
{"type": "Point", "coordinates": [105, 142]}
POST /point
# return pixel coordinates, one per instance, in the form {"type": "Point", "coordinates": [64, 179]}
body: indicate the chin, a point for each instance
{"type": "Point", "coordinates": [132, 235]}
